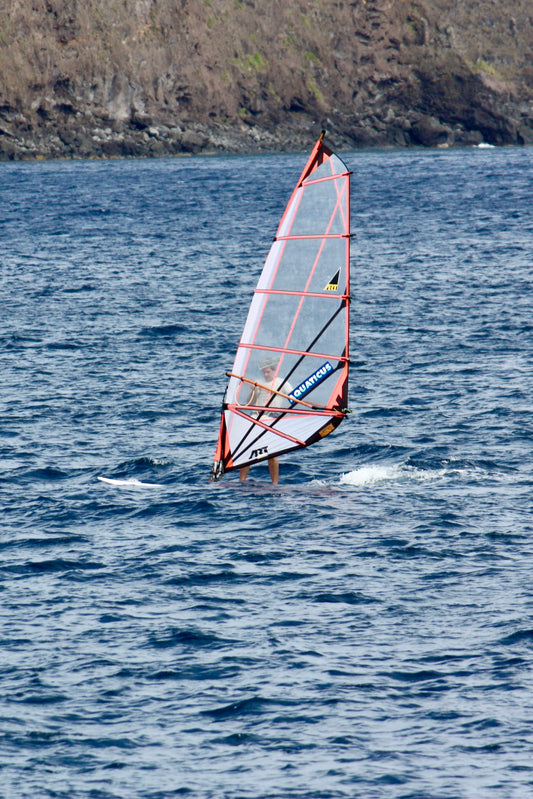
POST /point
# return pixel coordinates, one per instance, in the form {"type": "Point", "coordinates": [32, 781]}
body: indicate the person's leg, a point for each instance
{"type": "Point", "coordinates": [243, 473]}
{"type": "Point", "coordinates": [273, 468]}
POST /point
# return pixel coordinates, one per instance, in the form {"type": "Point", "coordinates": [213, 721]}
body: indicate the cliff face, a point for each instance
{"type": "Point", "coordinates": [150, 77]}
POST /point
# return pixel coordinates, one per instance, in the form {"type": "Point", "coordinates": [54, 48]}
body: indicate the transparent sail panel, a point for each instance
{"type": "Point", "coordinates": [310, 265]}
{"type": "Point", "coordinates": [331, 166]}
{"type": "Point", "coordinates": [322, 209]}
{"type": "Point", "coordinates": [299, 323]}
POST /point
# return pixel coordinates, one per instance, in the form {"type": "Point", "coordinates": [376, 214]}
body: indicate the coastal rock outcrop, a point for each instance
{"type": "Point", "coordinates": [147, 78]}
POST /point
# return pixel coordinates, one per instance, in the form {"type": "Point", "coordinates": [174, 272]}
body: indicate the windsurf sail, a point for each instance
{"type": "Point", "coordinates": [288, 387]}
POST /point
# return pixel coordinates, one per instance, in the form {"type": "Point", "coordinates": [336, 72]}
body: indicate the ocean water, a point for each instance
{"type": "Point", "coordinates": [365, 628]}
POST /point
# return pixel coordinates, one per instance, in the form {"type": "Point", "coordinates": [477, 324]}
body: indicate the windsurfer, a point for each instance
{"type": "Point", "coordinates": [262, 396]}
{"type": "Point", "coordinates": [299, 318]}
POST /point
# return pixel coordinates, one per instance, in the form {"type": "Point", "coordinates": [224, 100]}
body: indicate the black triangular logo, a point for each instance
{"type": "Point", "coordinates": [333, 284]}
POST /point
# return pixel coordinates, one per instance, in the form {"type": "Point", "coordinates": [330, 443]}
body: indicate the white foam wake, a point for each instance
{"type": "Point", "coordinates": [369, 475]}
{"type": "Point", "coordinates": [131, 482]}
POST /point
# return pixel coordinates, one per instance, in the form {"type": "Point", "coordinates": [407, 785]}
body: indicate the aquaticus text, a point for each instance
{"type": "Point", "coordinates": [313, 380]}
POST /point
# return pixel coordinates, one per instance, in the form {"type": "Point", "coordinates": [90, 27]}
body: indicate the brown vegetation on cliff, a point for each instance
{"type": "Point", "coordinates": [141, 77]}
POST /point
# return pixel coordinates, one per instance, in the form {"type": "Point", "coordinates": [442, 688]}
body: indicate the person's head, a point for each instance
{"type": "Point", "coordinates": [268, 367]}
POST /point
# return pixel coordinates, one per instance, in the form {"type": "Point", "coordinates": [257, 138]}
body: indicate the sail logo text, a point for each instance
{"type": "Point", "coordinates": [313, 380]}
{"type": "Point", "coordinates": [257, 452]}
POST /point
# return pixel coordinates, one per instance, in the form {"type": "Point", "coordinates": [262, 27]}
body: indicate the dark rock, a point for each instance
{"type": "Point", "coordinates": [140, 121]}
{"type": "Point", "coordinates": [430, 132]}
{"type": "Point", "coordinates": [193, 141]}
{"type": "Point", "coordinates": [467, 137]}
{"type": "Point", "coordinates": [10, 150]}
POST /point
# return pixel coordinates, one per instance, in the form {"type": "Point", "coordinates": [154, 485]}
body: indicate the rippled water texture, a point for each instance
{"type": "Point", "coordinates": [362, 630]}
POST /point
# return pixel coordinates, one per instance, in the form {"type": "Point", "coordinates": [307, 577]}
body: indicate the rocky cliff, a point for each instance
{"type": "Point", "coordinates": [85, 78]}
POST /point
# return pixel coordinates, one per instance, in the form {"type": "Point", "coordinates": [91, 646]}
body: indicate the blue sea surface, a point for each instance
{"type": "Point", "coordinates": [364, 629]}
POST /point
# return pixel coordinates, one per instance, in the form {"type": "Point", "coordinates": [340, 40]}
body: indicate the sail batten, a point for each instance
{"type": "Point", "coordinates": [262, 348]}
{"type": "Point", "coordinates": [296, 331]}
{"type": "Point", "coordinates": [302, 294]}
{"type": "Point", "coordinates": [316, 236]}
